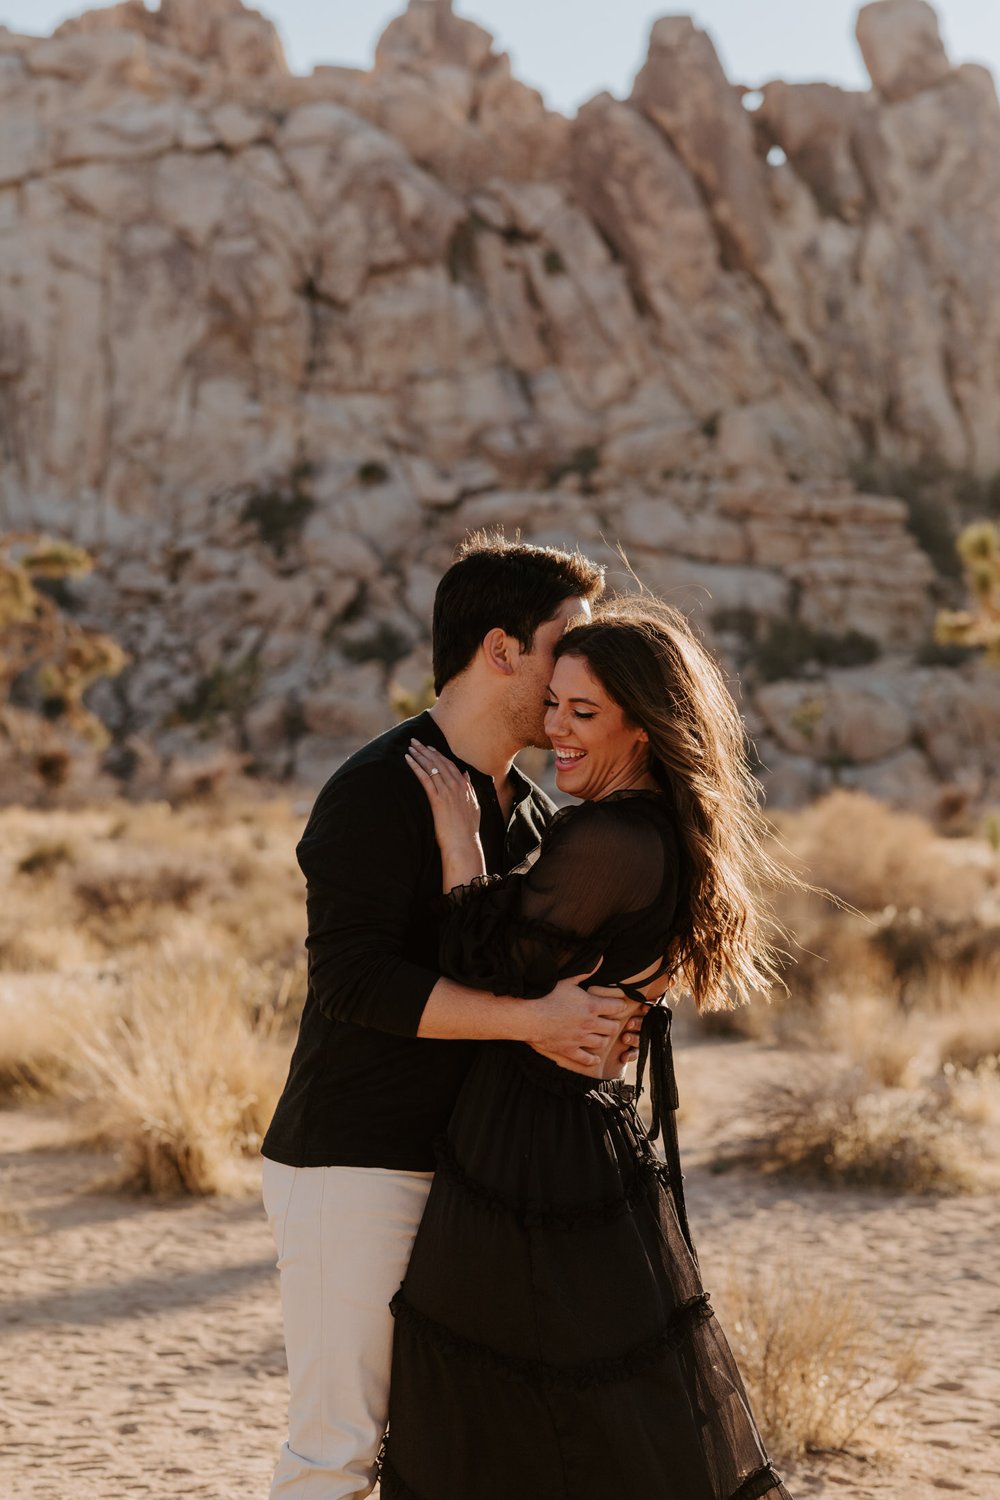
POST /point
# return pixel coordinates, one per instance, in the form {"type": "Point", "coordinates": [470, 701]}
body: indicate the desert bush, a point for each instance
{"type": "Point", "coordinates": [28, 1063]}
{"type": "Point", "coordinates": [183, 1079]}
{"type": "Point", "coordinates": [972, 1094]}
{"type": "Point", "coordinates": [115, 891]}
{"type": "Point", "coordinates": [922, 924]}
{"type": "Point", "coordinates": [975, 1041]}
{"type": "Point", "coordinates": [889, 1049]}
{"type": "Point", "coordinates": [872, 857]}
{"type": "Point", "coordinates": [979, 549]}
{"type": "Point", "coordinates": [839, 1129]}
{"type": "Point", "coordinates": [818, 1361]}
{"type": "Point", "coordinates": [46, 858]}
{"type": "Point", "coordinates": [36, 1016]}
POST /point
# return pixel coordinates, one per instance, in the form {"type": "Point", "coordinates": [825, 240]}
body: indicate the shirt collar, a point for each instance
{"type": "Point", "coordinates": [426, 729]}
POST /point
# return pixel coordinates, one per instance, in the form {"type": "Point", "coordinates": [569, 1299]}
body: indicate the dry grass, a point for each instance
{"type": "Point", "coordinates": [35, 1016]}
{"type": "Point", "coordinates": [973, 1094]}
{"type": "Point", "coordinates": [837, 1127]}
{"type": "Point", "coordinates": [152, 955]}
{"type": "Point", "coordinates": [889, 1047]}
{"type": "Point", "coordinates": [183, 1079]}
{"type": "Point", "coordinates": [873, 857]}
{"type": "Point", "coordinates": [926, 924]}
{"type": "Point", "coordinates": [113, 884]}
{"type": "Point", "coordinates": [176, 897]}
{"type": "Point", "coordinates": [974, 1039]}
{"type": "Point", "coordinates": [816, 1359]}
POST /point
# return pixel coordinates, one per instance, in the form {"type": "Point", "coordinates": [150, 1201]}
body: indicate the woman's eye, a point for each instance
{"type": "Point", "coordinates": [578, 715]}
{"type": "Point", "coordinates": [548, 703]}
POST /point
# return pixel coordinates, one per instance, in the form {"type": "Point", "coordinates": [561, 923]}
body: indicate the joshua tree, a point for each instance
{"type": "Point", "coordinates": [979, 549]}
{"type": "Point", "coordinates": [36, 635]}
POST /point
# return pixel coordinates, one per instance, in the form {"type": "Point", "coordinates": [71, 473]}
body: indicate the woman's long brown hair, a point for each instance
{"type": "Point", "coordinates": [647, 658]}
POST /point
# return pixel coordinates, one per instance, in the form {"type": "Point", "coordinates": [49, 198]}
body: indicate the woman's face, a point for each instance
{"type": "Point", "coordinates": [597, 750]}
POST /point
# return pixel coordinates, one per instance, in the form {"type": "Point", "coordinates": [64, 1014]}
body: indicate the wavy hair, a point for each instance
{"type": "Point", "coordinates": [647, 658]}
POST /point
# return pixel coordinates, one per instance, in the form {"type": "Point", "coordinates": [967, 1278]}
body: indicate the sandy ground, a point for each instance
{"type": "Point", "coordinates": [142, 1351]}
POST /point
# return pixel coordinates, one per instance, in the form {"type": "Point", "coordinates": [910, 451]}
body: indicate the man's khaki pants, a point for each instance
{"type": "Point", "coordinates": [343, 1237]}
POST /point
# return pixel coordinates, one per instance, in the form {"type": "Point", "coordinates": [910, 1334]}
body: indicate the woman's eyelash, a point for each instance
{"type": "Point", "coordinates": [550, 703]}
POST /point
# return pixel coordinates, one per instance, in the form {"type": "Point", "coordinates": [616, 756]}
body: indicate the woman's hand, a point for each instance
{"type": "Point", "coordinates": [455, 808]}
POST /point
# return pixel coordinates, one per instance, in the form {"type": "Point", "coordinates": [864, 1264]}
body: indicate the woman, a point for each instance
{"type": "Point", "coordinates": [553, 1340]}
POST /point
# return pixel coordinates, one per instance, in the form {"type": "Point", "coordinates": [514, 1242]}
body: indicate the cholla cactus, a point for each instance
{"type": "Point", "coordinates": [36, 634]}
{"type": "Point", "coordinates": [979, 549]}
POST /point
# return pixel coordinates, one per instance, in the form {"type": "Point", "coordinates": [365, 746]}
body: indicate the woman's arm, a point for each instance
{"type": "Point", "coordinates": [455, 807]}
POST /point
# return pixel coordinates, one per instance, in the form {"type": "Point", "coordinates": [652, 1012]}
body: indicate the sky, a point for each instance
{"type": "Point", "coordinates": [572, 49]}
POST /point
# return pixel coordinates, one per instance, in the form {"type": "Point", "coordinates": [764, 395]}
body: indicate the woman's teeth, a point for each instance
{"type": "Point", "coordinates": [569, 757]}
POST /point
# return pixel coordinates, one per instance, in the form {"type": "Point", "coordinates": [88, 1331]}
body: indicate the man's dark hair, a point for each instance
{"type": "Point", "coordinates": [495, 583]}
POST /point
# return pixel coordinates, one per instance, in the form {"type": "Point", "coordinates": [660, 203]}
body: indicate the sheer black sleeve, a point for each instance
{"type": "Point", "coordinates": [520, 933]}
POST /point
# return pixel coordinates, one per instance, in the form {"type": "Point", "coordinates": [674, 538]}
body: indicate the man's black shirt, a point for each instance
{"type": "Point", "coordinates": [363, 1090]}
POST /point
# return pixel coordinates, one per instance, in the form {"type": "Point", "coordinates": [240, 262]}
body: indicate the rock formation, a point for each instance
{"type": "Point", "coordinates": [270, 344]}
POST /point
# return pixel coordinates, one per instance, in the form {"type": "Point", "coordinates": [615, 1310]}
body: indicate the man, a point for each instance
{"type": "Point", "coordinates": [385, 1039]}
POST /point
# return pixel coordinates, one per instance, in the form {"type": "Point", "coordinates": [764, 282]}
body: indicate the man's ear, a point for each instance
{"type": "Point", "coordinates": [499, 649]}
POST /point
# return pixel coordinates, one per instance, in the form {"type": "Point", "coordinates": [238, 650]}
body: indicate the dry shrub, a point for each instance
{"type": "Point", "coordinates": [926, 924]}
{"type": "Point", "coordinates": [873, 856]}
{"type": "Point", "coordinates": [836, 1128]}
{"type": "Point", "coordinates": [114, 892]}
{"type": "Point", "coordinates": [889, 1047]}
{"type": "Point", "coordinates": [33, 1061]}
{"type": "Point", "coordinates": [976, 1040]}
{"type": "Point", "coordinates": [113, 885]}
{"type": "Point", "coordinates": [817, 1360]}
{"type": "Point", "coordinates": [972, 1094]}
{"type": "Point", "coordinates": [750, 1023]}
{"type": "Point", "coordinates": [183, 1081]}
{"type": "Point", "coordinates": [46, 858]}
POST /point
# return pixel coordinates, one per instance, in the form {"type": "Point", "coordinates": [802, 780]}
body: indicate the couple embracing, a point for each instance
{"type": "Point", "coordinates": [479, 1246]}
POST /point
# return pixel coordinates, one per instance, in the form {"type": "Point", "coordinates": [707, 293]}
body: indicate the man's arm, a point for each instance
{"type": "Point", "coordinates": [571, 1025]}
{"type": "Point", "coordinates": [363, 853]}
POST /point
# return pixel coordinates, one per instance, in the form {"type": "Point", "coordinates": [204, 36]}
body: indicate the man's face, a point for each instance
{"type": "Point", "coordinates": [526, 716]}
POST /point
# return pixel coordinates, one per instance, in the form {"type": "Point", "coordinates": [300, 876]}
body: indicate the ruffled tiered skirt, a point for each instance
{"type": "Point", "coordinates": [553, 1340]}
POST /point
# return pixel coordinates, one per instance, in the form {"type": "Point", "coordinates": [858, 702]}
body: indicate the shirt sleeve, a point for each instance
{"type": "Point", "coordinates": [363, 853]}
{"type": "Point", "coordinates": [519, 934]}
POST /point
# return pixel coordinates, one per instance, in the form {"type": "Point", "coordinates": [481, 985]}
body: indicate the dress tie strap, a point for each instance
{"type": "Point", "coordinates": [656, 1051]}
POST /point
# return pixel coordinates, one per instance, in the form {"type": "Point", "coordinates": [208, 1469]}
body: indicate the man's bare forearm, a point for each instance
{"type": "Point", "coordinates": [454, 1013]}
{"type": "Point", "coordinates": [569, 1025]}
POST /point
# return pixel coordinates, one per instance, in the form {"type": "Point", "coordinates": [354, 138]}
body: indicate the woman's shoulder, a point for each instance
{"type": "Point", "coordinates": [639, 815]}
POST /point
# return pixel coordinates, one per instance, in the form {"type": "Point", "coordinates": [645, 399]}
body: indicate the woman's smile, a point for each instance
{"type": "Point", "coordinates": [597, 749]}
{"type": "Point", "coordinates": [567, 757]}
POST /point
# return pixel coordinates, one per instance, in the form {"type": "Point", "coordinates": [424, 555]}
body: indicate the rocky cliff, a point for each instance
{"type": "Point", "coordinates": [270, 344]}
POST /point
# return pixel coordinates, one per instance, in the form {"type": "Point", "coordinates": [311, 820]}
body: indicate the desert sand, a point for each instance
{"type": "Point", "coordinates": [142, 1339]}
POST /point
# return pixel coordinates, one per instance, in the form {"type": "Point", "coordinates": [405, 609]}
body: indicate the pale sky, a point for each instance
{"type": "Point", "coordinates": [571, 49]}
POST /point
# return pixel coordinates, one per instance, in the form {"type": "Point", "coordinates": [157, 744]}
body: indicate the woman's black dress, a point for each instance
{"type": "Point", "coordinates": [553, 1340]}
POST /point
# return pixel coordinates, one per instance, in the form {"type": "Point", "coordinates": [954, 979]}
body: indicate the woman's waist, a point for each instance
{"type": "Point", "coordinates": [550, 1075]}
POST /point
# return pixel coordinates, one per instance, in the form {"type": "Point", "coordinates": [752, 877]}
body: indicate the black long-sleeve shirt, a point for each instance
{"type": "Point", "coordinates": [363, 1090]}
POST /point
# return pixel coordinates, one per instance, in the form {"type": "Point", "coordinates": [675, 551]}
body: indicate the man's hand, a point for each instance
{"type": "Point", "coordinates": [628, 1035]}
{"type": "Point", "coordinates": [579, 1028]}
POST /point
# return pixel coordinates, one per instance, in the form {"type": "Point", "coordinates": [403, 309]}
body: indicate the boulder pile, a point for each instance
{"type": "Point", "coordinates": [270, 344]}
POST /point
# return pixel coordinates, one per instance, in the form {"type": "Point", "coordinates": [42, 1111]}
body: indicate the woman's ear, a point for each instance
{"type": "Point", "coordinates": [497, 651]}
